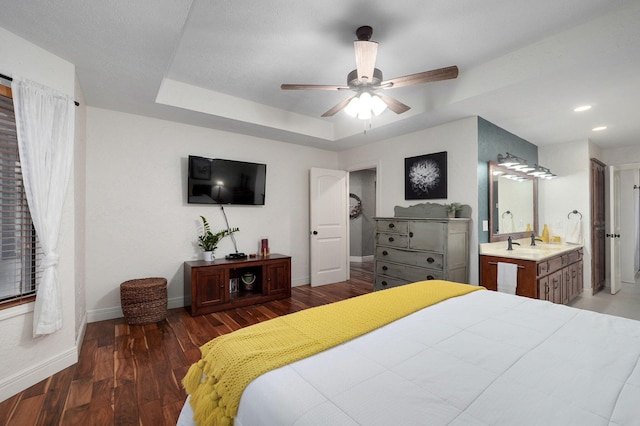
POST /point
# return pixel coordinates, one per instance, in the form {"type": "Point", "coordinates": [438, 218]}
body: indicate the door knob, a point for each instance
{"type": "Point", "coordinates": [315, 232]}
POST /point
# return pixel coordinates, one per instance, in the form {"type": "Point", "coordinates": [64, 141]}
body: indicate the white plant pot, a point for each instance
{"type": "Point", "coordinates": [208, 256]}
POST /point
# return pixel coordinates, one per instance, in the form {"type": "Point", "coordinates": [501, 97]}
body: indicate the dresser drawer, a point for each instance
{"type": "Point", "coordinates": [383, 282]}
{"type": "Point", "coordinates": [409, 273]}
{"type": "Point", "coordinates": [393, 240]}
{"type": "Point", "coordinates": [388, 225]}
{"type": "Point", "coordinates": [413, 258]}
{"type": "Point", "coordinates": [430, 236]}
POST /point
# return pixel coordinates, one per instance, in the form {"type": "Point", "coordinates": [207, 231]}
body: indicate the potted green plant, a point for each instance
{"type": "Point", "coordinates": [452, 208]}
{"type": "Point", "coordinates": [208, 241]}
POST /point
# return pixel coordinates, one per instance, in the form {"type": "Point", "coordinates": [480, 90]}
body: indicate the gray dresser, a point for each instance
{"type": "Point", "coordinates": [409, 250]}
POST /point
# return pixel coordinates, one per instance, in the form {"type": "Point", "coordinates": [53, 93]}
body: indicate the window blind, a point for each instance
{"type": "Point", "coordinates": [19, 251]}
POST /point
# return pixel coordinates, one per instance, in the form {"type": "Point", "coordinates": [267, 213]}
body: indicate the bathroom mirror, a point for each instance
{"type": "Point", "coordinates": [513, 203]}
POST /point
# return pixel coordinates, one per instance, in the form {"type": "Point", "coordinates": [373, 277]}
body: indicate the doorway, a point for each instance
{"type": "Point", "coordinates": [629, 217]}
{"type": "Point", "coordinates": [362, 210]}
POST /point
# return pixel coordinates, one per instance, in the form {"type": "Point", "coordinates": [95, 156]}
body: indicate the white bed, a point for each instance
{"type": "Point", "coordinates": [485, 358]}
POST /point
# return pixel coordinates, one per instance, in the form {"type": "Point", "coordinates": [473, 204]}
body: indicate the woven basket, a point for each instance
{"type": "Point", "coordinates": [144, 300]}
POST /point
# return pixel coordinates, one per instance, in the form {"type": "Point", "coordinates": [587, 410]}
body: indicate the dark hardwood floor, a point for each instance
{"type": "Point", "coordinates": [131, 375]}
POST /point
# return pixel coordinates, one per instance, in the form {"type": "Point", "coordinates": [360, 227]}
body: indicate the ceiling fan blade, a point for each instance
{"type": "Point", "coordinates": [366, 53]}
{"type": "Point", "coordinates": [424, 77]}
{"type": "Point", "coordinates": [394, 104]}
{"type": "Point", "coordinates": [311, 87]}
{"type": "Point", "coordinates": [337, 108]}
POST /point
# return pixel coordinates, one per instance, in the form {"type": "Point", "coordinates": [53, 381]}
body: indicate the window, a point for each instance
{"type": "Point", "coordinates": [18, 246]}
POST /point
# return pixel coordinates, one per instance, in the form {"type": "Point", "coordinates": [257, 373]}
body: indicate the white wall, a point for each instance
{"type": "Point", "coordinates": [139, 223]}
{"type": "Point", "coordinates": [25, 360]}
{"type": "Point", "coordinates": [458, 138]}
{"type": "Point", "coordinates": [569, 191]}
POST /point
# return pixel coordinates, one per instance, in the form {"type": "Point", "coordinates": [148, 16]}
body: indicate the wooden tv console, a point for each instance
{"type": "Point", "coordinates": [207, 285]}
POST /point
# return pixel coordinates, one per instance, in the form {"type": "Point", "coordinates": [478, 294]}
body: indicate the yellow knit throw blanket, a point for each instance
{"type": "Point", "coordinates": [231, 361]}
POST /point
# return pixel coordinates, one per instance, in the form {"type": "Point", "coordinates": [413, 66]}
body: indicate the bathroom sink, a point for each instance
{"type": "Point", "coordinates": [524, 250]}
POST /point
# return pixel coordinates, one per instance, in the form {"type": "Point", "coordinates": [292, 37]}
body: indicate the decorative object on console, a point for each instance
{"type": "Point", "coordinates": [425, 176]}
{"type": "Point", "coordinates": [452, 209]}
{"type": "Point", "coordinates": [264, 246]}
{"type": "Point", "coordinates": [208, 241]}
{"type": "Point", "coordinates": [233, 285]}
{"type": "Point", "coordinates": [248, 278]}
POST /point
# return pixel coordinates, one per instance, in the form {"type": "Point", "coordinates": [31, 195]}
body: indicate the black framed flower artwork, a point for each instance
{"type": "Point", "coordinates": [425, 176]}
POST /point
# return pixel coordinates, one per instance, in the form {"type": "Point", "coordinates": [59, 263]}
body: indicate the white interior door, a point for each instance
{"type": "Point", "coordinates": [328, 221]}
{"type": "Point", "coordinates": [613, 233]}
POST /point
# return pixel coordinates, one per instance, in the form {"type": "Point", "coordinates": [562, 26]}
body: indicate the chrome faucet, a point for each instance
{"type": "Point", "coordinates": [534, 239]}
{"type": "Point", "coordinates": [510, 242]}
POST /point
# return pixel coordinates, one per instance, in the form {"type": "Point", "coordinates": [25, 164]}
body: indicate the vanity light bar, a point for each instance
{"type": "Point", "coordinates": [509, 160]}
{"type": "Point", "coordinates": [542, 172]}
{"type": "Point", "coordinates": [512, 162]}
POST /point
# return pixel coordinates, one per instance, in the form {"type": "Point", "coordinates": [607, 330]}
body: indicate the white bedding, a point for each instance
{"type": "Point", "coordinates": [485, 358]}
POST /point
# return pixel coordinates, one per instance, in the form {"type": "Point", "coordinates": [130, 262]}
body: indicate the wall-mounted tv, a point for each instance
{"type": "Point", "coordinates": [217, 181]}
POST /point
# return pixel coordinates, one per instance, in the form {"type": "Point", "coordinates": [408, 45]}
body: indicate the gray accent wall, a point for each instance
{"type": "Point", "coordinates": [494, 140]}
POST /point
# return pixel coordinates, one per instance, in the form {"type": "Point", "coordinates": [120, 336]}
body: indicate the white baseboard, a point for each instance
{"type": "Point", "coordinates": [300, 281]}
{"type": "Point", "coordinates": [360, 259]}
{"type": "Point", "coordinates": [29, 377]}
{"type": "Point", "coordinates": [113, 312]}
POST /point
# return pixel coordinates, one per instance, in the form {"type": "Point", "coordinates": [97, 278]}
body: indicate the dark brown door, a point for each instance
{"type": "Point", "coordinates": [598, 275]}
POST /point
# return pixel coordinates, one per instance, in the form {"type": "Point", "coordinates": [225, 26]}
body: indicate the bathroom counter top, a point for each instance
{"type": "Point", "coordinates": [525, 251]}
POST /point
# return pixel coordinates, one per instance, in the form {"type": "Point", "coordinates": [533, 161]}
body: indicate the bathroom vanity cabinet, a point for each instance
{"type": "Point", "coordinates": [550, 275]}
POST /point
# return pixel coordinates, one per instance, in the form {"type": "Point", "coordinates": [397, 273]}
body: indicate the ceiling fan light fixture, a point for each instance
{"type": "Point", "coordinates": [364, 105]}
{"type": "Point", "coordinates": [377, 105]}
{"type": "Point", "coordinates": [353, 107]}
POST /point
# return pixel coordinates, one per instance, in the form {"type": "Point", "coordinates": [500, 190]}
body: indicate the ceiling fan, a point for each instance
{"type": "Point", "coordinates": [366, 81]}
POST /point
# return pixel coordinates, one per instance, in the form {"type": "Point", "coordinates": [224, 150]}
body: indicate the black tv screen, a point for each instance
{"type": "Point", "coordinates": [217, 181]}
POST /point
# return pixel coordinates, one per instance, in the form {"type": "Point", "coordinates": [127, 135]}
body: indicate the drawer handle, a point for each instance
{"type": "Point", "coordinates": [391, 225]}
{"type": "Point", "coordinates": [383, 283]}
{"type": "Point", "coordinates": [410, 234]}
{"type": "Point", "coordinates": [391, 239]}
{"type": "Point", "coordinates": [429, 277]}
{"type": "Point", "coordinates": [430, 260]}
{"type": "Point", "coordinates": [384, 253]}
{"type": "Point", "coordinates": [384, 268]}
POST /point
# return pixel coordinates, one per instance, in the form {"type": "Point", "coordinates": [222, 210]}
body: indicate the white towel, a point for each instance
{"type": "Point", "coordinates": [574, 231]}
{"type": "Point", "coordinates": [507, 277]}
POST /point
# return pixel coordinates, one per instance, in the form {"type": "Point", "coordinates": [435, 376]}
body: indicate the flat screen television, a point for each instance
{"type": "Point", "coordinates": [218, 181]}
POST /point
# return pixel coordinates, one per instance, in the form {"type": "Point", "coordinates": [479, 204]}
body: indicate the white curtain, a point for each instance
{"type": "Point", "coordinates": [45, 125]}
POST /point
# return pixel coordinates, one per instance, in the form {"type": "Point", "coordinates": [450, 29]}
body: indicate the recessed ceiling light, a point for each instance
{"type": "Point", "coordinates": [582, 108]}
{"type": "Point", "coordinates": [599, 129]}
